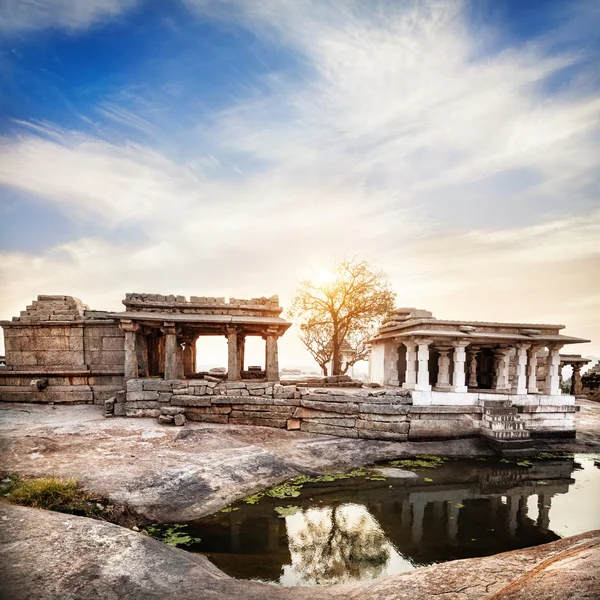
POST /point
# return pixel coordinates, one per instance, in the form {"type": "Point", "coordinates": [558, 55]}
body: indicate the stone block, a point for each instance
{"type": "Point", "coordinates": [265, 408]}
{"type": "Point", "coordinates": [156, 385]}
{"type": "Point", "coordinates": [164, 396]}
{"type": "Point", "coordinates": [137, 396]}
{"type": "Point", "coordinates": [179, 420]}
{"type": "Point", "coordinates": [235, 385]}
{"type": "Point", "coordinates": [332, 397]}
{"type": "Point", "coordinates": [166, 419]}
{"type": "Point", "coordinates": [335, 421]}
{"type": "Point", "coordinates": [284, 395]}
{"type": "Point", "coordinates": [286, 402]}
{"type": "Point", "coordinates": [257, 392]}
{"type": "Point", "coordinates": [382, 426]}
{"type": "Point", "coordinates": [113, 343]}
{"type": "Point", "coordinates": [383, 409]}
{"type": "Point", "coordinates": [135, 385]}
{"type": "Point", "coordinates": [385, 418]}
{"type": "Point", "coordinates": [238, 392]}
{"type": "Point", "coordinates": [280, 423]}
{"type": "Point", "coordinates": [172, 410]}
{"type": "Point", "coordinates": [186, 400]}
{"type": "Point", "coordinates": [328, 430]}
{"type": "Point", "coordinates": [239, 399]}
{"type": "Point", "coordinates": [119, 410]}
{"type": "Point", "coordinates": [432, 429]}
{"type": "Point", "coordinates": [193, 415]}
{"type": "Point", "coordinates": [142, 404]}
{"type": "Point", "coordinates": [246, 414]}
{"type": "Point", "coordinates": [210, 410]}
{"type": "Point", "coordinates": [382, 435]}
{"type": "Point", "coordinates": [338, 407]}
{"type": "Point", "coordinates": [293, 424]}
{"type": "Point", "coordinates": [198, 390]}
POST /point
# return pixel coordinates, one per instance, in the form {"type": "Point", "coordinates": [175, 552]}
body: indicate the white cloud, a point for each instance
{"type": "Point", "coordinates": [368, 148]}
{"type": "Point", "coordinates": [71, 15]}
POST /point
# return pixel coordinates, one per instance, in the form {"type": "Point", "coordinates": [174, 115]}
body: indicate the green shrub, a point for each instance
{"type": "Point", "coordinates": [51, 493]}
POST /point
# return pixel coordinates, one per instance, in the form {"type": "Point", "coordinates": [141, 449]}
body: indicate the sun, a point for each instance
{"type": "Point", "coordinates": [322, 276]}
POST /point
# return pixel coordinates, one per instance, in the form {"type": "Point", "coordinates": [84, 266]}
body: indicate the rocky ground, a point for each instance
{"type": "Point", "coordinates": [178, 474]}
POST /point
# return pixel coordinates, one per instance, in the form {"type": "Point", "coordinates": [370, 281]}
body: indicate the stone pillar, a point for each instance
{"type": "Point", "coordinates": [391, 359]}
{"type": "Point", "coordinates": [458, 378]}
{"type": "Point", "coordinates": [272, 357]}
{"type": "Point", "coordinates": [502, 370]}
{"type": "Point", "coordinates": [443, 381]}
{"type": "Point", "coordinates": [187, 358]}
{"type": "Point", "coordinates": [233, 368]}
{"type": "Point", "coordinates": [576, 386]}
{"type": "Point", "coordinates": [472, 366]}
{"type": "Point", "coordinates": [410, 380]}
{"type": "Point", "coordinates": [423, 366]}
{"type": "Point", "coordinates": [141, 341]}
{"type": "Point", "coordinates": [522, 514]}
{"type": "Point", "coordinates": [405, 515]}
{"type": "Point", "coordinates": [552, 383]}
{"type": "Point", "coordinates": [532, 370]}
{"type": "Point", "coordinates": [170, 351]}
{"type": "Point", "coordinates": [519, 383]}
{"type": "Point", "coordinates": [131, 359]}
{"type": "Point", "coordinates": [241, 351]}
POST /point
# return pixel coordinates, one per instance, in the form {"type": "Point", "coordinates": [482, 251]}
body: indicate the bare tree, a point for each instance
{"type": "Point", "coordinates": [343, 312]}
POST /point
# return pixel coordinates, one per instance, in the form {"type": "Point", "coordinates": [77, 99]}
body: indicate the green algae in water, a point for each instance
{"type": "Point", "coordinates": [173, 535]}
{"type": "Point", "coordinates": [424, 461]}
{"type": "Point", "coordinates": [286, 511]}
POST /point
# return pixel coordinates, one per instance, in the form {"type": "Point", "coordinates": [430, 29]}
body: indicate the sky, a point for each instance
{"type": "Point", "coordinates": [229, 147]}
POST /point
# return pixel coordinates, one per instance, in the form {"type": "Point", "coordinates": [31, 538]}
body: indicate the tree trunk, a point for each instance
{"type": "Point", "coordinates": [336, 363]}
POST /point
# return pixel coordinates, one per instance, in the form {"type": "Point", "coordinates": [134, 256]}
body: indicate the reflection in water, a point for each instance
{"type": "Point", "coordinates": [358, 529]}
{"type": "Point", "coordinates": [334, 544]}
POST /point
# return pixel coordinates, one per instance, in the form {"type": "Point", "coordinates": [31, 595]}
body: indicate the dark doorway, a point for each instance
{"type": "Point", "coordinates": [401, 364]}
{"type": "Point", "coordinates": [485, 369]}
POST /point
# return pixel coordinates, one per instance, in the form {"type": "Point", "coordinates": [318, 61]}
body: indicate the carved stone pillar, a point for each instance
{"type": "Point", "coordinates": [233, 368]}
{"type": "Point", "coordinates": [552, 383]}
{"type": "Point", "coordinates": [241, 351]}
{"type": "Point", "coordinates": [502, 369]}
{"type": "Point", "coordinates": [272, 356]}
{"type": "Point", "coordinates": [443, 380]}
{"type": "Point", "coordinates": [188, 358]}
{"type": "Point", "coordinates": [532, 370]}
{"type": "Point", "coordinates": [423, 384]}
{"type": "Point", "coordinates": [519, 383]}
{"type": "Point", "coordinates": [472, 366]}
{"type": "Point", "coordinates": [544, 505]}
{"type": "Point", "coordinates": [141, 341]}
{"type": "Point", "coordinates": [131, 360]}
{"type": "Point", "coordinates": [170, 351]}
{"type": "Point", "coordinates": [576, 386]}
{"type": "Point", "coordinates": [458, 377]}
{"type": "Point", "coordinates": [410, 380]}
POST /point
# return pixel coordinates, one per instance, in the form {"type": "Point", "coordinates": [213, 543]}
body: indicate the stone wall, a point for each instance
{"type": "Point", "coordinates": [366, 413]}
{"type": "Point", "coordinates": [58, 351]}
{"type": "Point", "coordinates": [382, 414]}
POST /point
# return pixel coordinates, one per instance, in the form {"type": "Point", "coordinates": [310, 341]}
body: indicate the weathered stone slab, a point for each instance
{"type": "Point", "coordinates": [382, 426]}
{"type": "Point", "coordinates": [157, 385]}
{"type": "Point", "coordinates": [211, 410]}
{"type": "Point", "coordinates": [383, 409]}
{"type": "Point", "coordinates": [265, 407]}
{"type": "Point", "coordinates": [193, 415]}
{"type": "Point", "coordinates": [179, 420]}
{"type": "Point", "coordinates": [549, 409]}
{"type": "Point", "coordinates": [337, 407]}
{"type": "Point", "coordinates": [239, 400]}
{"type": "Point", "coordinates": [261, 415]}
{"type": "Point", "coordinates": [329, 430]}
{"type": "Point", "coordinates": [287, 402]}
{"type": "Point", "coordinates": [281, 423]}
{"type": "Point", "coordinates": [142, 404]}
{"type": "Point", "coordinates": [257, 392]}
{"type": "Point", "coordinates": [190, 400]}
{"type": "Point", "coordinates": [332, 398]}
{"type": "Point", "coordinates": [382, 435]}
{"type": "Point", "coordinates": [293, 424]}
{"type": "Point", "coordinates": [385, 418]}
{"type": "Point", "coordinates": [421, 429]}
{"type": "Point", "coordinates": [137, 396]}
{"type": "Point", "coordinates": [172, 410]}
{"type": "Point", "coordinates": [335, 421]}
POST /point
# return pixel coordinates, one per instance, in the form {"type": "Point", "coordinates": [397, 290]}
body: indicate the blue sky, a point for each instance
{"type": "Point", "coordinates": [228, 146]}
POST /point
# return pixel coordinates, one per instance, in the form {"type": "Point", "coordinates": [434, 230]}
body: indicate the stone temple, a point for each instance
{"type": "Point", "coordinates": [430, 379]}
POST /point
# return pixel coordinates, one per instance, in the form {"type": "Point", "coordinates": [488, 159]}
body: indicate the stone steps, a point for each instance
{"type": "Point", "coordinates": [502, 428]}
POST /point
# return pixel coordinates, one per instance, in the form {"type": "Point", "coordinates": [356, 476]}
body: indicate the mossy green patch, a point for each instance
{"type": "Point", "coordinates": [286, 511]}
{"type": "Point", "coordinates": [424, 461]}
{"type": "Point", "coordinates": [173, 535]}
